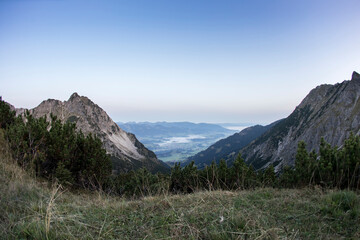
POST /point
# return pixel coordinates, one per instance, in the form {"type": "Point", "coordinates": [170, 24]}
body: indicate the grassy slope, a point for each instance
{"type": "Point", "coordinates": [32, 210]}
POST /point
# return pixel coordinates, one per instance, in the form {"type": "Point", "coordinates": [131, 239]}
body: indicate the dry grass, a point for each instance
{"type": "Point", "coordinates": [32, 210]}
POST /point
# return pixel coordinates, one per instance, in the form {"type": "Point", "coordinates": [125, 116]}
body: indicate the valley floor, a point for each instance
{"type": "Point", "coordinates": [30, 209]}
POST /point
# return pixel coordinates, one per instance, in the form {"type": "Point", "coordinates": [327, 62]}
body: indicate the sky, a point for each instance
{"type": "Point", "coordinates": [200, 61]}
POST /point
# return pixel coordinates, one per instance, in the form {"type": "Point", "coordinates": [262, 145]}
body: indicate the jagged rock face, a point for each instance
{"type": "Point", "coordinates": [126, 151]}
{"type": "Point", "coordinates": [329, 111]}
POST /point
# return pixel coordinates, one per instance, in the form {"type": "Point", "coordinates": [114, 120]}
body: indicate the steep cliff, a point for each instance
{"type": "Point", "coordinates": [329, 111]}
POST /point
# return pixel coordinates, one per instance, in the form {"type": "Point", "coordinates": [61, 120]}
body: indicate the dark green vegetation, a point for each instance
{"type": "Point", "coordinates": [227, 148]}
{"type": "Point", "coordinates": [333, 167]}
{"type": "Point", "coordinates": [7, 116]}
{"type": "Point", "coordinates": [54, 150]}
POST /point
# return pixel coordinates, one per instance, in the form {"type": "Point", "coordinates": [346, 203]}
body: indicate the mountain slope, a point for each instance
{"type": "Point", "coordinates": [228, 147]}
{"type": "Point", "coordinates": [126, 151]}
{"type": "Point", "coordinates": [329, 111]}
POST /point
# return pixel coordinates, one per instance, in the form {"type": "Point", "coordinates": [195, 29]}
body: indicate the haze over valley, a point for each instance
{"type": "Point", "coordinates": [176, 141]}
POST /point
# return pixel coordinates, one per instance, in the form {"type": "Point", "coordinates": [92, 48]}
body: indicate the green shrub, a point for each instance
{"type": "Point", "coordinates": [53, 149]}
{"type": "Point", "coordinates": [63, 175]}
{"type": "Point", "coordinates": [342, 204]}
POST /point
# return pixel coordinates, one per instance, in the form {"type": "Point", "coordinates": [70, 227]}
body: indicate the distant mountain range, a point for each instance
{"type": "Point", "coordinates": [126, 151]}
{"type": "Point", "coordinates": [328, 111]}
{"type": "Point", "coordinates": [175, 141]}
{"type": "Point", "coordinates": [171, 129]}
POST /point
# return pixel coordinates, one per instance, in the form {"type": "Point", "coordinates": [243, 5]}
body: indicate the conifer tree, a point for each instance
{"type": "Point", "coordinates": [7, 116]}
{"type": "Point", "coordinates": [326, 164]}
{"type": "Point", "coordinates": [302, 164]}
{"type": "Point", "coordinates": [269, 176]}
{"type": "Point", "coordinates": [223, 174]}
{"type": "Point", "coordinates": [288, 177]}
{"type": "Point", "coordinates": [238, 173]}
{"type": "Point", "coordinates": [176, 184]}
{"type": "Point", "coordinates": [350, 164]}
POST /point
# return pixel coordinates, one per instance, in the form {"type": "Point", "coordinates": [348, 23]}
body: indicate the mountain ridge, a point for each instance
{"type": "Point", "coordinates": [158, 128]}
{"type": "Point", "coordinates": [328, 111]}
{"type": "Point", "coordinates": [227, 148]}
{"type": "Point", "coordinates": [126, 151]}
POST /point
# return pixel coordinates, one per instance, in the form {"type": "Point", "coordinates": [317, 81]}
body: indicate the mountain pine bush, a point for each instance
{"type": "Point", "coordinates": [53, 149]}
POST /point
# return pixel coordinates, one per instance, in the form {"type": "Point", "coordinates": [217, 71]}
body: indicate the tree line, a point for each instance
{"type": "Point", "coordinates": [55, 150]}
{"type": "Point", "coordinates": [333, 167]}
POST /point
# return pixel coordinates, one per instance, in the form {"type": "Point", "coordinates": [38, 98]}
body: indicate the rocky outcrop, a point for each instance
{"type": "Point", "coordinates": [126, 151]}
{"type": "Point", "coordinates": [329, 111]}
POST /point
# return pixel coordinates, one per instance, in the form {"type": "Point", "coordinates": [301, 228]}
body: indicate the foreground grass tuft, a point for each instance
{"type": "Point", "coordinates": [32, 210]}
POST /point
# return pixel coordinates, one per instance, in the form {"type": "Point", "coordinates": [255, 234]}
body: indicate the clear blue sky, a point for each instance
{"type": "Point", "coordinates": [203, 61]}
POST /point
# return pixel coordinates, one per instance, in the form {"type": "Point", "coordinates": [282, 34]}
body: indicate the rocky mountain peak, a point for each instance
{"type": "Point", "coordinates": [74, 96]}
{"type": "Point", "coordinates": [126, 151]}
{"type": "Point", "coordinates": [355, 76]}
